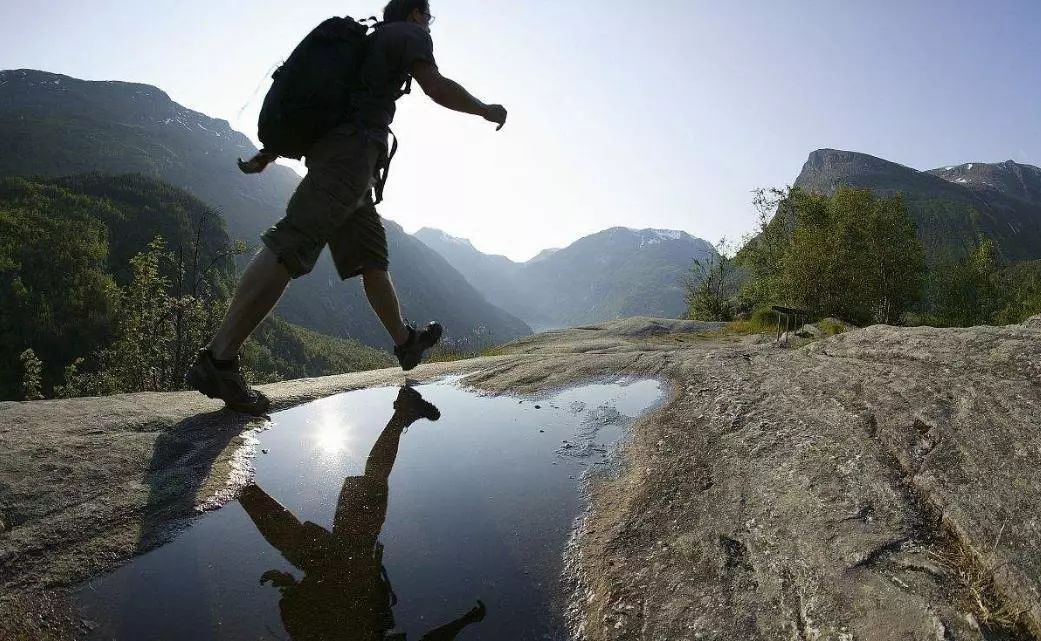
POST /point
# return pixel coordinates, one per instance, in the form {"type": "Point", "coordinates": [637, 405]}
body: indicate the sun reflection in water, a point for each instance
{"type": "Point", "coordinates": [332, 436]}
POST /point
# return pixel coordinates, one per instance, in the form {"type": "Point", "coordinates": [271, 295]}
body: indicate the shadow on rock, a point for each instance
{"type": "Point", "coordinates": [180, 470]}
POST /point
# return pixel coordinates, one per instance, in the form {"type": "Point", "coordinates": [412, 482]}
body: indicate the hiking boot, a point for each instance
{"type": "Point", "coordinates": [226, 383]}
{"type": "Point", "coordinates": [411, 352]}
{"type": "Point", "coordinates": [476, 615]}
{"type": "Point", "coordinates": [412, 406]}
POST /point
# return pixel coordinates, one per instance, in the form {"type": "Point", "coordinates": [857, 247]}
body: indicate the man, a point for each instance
{"type": "Point", "coordinates": [333, 205]}
{"type": "Point", "coordinates": [345, 592]}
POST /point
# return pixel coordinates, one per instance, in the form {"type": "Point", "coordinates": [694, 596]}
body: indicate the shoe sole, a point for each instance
{"type": "Point", "coordinates": [259, 409]}
{"type": "Point", "coordinates": [201, 380]}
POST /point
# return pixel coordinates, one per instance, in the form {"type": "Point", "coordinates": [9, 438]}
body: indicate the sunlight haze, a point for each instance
{"type": "Point", "coordinates": [663, 114]}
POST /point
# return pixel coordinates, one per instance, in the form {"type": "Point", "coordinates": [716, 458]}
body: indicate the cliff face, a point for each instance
{"type": "Point", "coordinates": [874, 485]}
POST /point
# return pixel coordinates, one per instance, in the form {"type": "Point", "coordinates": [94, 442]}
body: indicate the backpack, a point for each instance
{"type": "Point", "coordinates": [311, 93]}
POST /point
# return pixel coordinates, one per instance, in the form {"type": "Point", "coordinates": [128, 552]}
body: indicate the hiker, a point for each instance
{"type": "Point", "coordinates": [334, 203]}
{"type": "Point", "coordinates": [345, 592]}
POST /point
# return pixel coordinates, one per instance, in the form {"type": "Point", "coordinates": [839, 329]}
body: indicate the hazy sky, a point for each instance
{"type": "Point", "coordinates": [662, 113]}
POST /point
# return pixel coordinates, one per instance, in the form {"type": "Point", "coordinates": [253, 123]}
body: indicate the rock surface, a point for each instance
{"type": "Point", "coordinates": [879, 484]}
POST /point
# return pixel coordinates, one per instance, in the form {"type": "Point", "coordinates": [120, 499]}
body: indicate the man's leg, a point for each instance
{"type": "Point", "coordinates": [216, 371]}
{"type": "Point", "coordinates": [379, 289]}
{"type": "Point", "coordinates": [258, 291]}
{"type": "Point", "coordinates": [409, 343]}
{"type": "Point", "coordinates": [362, 506]}
{"type": "Point", "coordinates": [451, 630]}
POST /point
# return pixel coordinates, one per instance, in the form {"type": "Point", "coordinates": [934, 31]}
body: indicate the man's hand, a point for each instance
{"type": "Point", "coordinates": [257, 163]}
{"type": "Point", "coordinates": [496, 114]}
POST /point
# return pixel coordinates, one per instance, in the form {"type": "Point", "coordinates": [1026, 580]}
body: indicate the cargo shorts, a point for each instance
{"type": "Point", "coordinates": [333, 206]}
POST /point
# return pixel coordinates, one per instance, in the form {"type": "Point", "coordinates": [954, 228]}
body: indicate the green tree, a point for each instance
{"type": "Point", "coordinates": [57, 293]}
{"type": "Point", "coordinates": [710, 286]}
{"type": "Point", "coordinates": [32, 382]}
{"type": "Point", "coordinates": [852, 254]}
{"type": "Point", "coordinates": [159, 322]}
{"type": "Point", "coordinates": [970, 290]}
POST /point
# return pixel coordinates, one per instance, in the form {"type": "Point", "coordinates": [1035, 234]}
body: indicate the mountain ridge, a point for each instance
{"type": "Point", "coordinates": [611, 273]}
{"type": "Point", "coordinates": [950, 214]}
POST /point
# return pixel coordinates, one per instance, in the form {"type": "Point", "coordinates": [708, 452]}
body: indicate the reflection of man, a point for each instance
{"type": "Point", "coordinates": [345, 593]}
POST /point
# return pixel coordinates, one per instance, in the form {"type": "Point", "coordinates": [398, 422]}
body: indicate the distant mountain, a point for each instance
{"type": "Point", "coordinates": [545, 253]}
{"type": "Point", "coordinates": [951, 206]}
{"type": "Point", "coordinates": [54, 125]}
{"type": "Point", "coordinates": [611, 274]}
{"type": "Point", "coordinates": [491, 275]}
{"type": "Point", "coordinates": [1009, 177]}
{"type": "Point", "coordinates": [615, 273]}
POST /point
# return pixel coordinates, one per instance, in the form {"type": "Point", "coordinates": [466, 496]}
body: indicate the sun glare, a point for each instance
{"type": "Point", "coordinates": [332, 436]}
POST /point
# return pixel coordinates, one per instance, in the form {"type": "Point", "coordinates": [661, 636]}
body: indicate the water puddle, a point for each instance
{"type": "Point", "coordinates": [370, 520]}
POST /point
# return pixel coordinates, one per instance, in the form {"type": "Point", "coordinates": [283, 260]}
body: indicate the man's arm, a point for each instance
{"type": "Point", "coordinates": [451, 95]}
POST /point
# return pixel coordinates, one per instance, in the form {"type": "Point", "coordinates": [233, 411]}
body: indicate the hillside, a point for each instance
{"type": "Point", "coordinates": [494, 276]}
{"type": "Point", "coordinates": [65, 249]}
{"type": "Point", "coordinates": [55, 125]}
{"type": "Point", "coordinates": [614, 273]}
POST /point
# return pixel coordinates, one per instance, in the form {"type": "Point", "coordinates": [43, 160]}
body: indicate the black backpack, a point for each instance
{"type": "Point", "coordinates": [311, 93]}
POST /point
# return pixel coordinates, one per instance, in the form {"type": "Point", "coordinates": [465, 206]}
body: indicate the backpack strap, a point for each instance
{"type": "Point", "coordinates": [383, 169]}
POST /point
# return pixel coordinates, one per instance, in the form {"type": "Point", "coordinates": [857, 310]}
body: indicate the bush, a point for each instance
{"type": "Point", "coordinates": [710, 286]}
{"type": "Point", "coordinates": [760, 321]}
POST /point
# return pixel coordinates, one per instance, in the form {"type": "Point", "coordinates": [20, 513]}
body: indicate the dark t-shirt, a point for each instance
{"type": "Point", "coordinates": [391, 51]}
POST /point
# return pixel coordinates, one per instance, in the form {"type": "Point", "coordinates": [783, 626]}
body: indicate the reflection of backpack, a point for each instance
{"type": "Point", "coordinates": [311, 93]}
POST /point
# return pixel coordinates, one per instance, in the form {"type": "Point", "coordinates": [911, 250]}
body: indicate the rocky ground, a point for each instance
{"type": "Point", "coordinates": [879, 484]}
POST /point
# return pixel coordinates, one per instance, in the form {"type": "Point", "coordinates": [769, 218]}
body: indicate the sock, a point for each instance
{"type": "Point", "coordinates": [227, 365]}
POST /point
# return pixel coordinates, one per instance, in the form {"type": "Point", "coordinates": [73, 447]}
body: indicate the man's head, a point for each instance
{"type": "Point", "coordinates": [416, 11]}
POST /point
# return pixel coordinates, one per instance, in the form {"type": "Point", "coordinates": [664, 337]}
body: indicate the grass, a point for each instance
{"type": "Point", "coordinates": [443, 353]}
{"type": "Point", "coordinates": [988, 605]}
{"type": "Point", "coordinates": [761, 321]}
{"type": "Point", "coordinates": [831, 327]}
{"type": "Point", "coordinates": [448, 352]}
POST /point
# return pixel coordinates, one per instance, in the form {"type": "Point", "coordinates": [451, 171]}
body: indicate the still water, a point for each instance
{"type": "Point", "coordinates": [426, 513]}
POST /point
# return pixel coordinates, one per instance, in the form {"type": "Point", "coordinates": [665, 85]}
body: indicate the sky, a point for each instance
{"type": "Point", "coordinates": [661, 113]}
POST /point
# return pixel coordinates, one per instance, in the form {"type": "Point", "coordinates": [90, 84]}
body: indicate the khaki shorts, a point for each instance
{"type": "Point", "coordinates": [333, 206]}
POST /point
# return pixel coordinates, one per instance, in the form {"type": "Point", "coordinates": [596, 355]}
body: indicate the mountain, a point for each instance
{"type": "Point", "coordinates": [491, 275]}
{"type": "Point", "coordinates": [951, 206]}
{"type": "Point", "coordinates": [54, 125]}
{"type": "Point", "coordinates": [545, 253]}
{"type": "Point", "coordinates": [1009, 178]}
{"type": "Point", "coordinates": [614, 273]}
